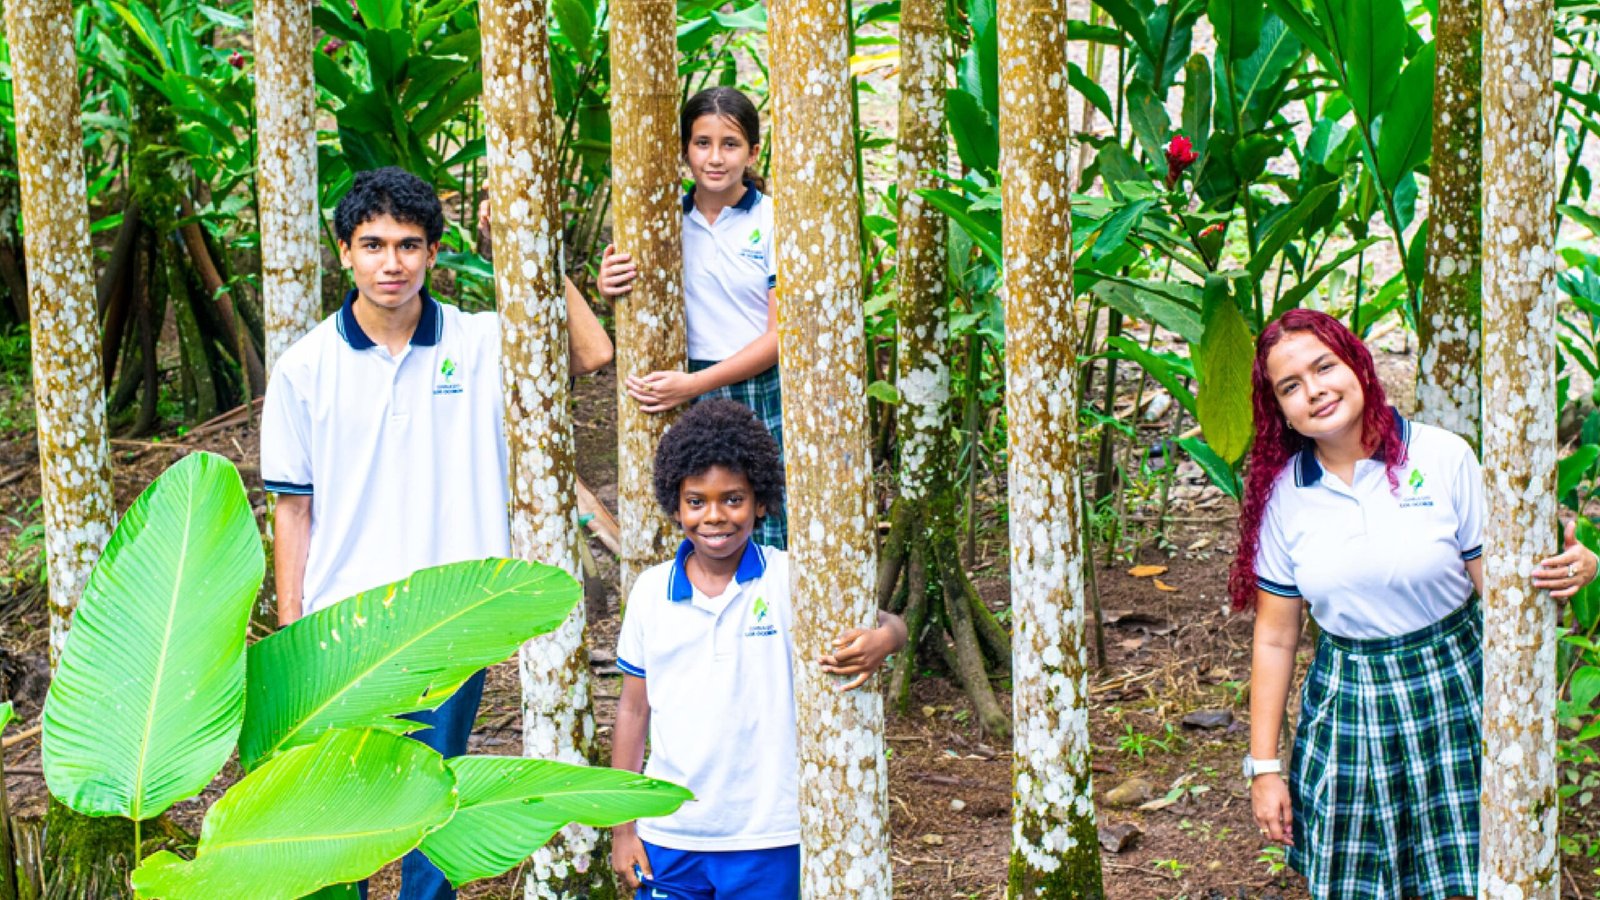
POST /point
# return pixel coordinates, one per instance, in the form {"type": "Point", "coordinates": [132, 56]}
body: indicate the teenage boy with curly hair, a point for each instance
{"type": "Point", "coordinates": [381, 435]}
{"type": "Point", "coordinates": [705, 652]}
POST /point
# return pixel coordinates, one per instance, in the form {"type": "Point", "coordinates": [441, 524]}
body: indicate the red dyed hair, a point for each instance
{"type": "Point", "coordinates": [1277, 445]}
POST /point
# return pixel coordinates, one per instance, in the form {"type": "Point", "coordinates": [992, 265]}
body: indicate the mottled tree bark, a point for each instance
{"type": "Point", "coordinates": [1520, 809]}
{"type": "Point", "coordinates": [822, 345]}
{"type": "Point", "coordinates": [1449, 332]}
{"type": "Point", "coordinates": [651, 335]}
{"type": "Point", "coordinates": [1055, 852]}
{"type": "Point", "coordinates": [558, 719]}
{"type": "Point", "coordinates": [67, 381]}
{"type": "Point", "coordinates": [286, 172]}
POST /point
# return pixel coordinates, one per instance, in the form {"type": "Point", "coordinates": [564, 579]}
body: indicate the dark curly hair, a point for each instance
{"type": "Point", "coordinates": [390, 191]}
{"type": "Point", "coordinates": [724, 433]}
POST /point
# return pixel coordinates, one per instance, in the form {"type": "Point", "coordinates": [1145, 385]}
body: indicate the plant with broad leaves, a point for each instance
{"type": "Point", "coordinates": [149, 701]}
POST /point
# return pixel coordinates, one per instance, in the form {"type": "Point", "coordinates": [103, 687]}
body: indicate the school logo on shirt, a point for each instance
{"type": "Point", "coordinates": [754, 253]}
{"type": "Point", "coordinates": [1414, 496]}
{"type": "Point", "coordinates": [761, 628]}
{"type": "Point", "coordinates": [447, 383]}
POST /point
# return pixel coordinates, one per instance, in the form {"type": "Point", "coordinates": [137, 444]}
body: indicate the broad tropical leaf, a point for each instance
{"type": "Point", "coordinates": [509, 806]}
{"type": "Point", "coordinates": [331, 812]}
{"type": "Point", "coordinates": [1223, 362]}
{"type": "Point", "coordinates": [1407, 136]}
{"type": "Point", "coordinates": [396, 649]}
{"type": "Point", "coordinates": [148, 698]}
{"type": "Point", "coordinates": [7, 713]}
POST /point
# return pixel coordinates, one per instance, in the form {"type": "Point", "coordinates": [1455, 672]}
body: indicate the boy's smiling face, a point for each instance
{"type": "Point", "coordinates": [388, 260]}
{"type": "Point", "coordinates": [718, 511]}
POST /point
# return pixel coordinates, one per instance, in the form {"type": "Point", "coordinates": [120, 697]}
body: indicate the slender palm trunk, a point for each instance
{"type": "Point", "coordinates": [1520, 808]}
{"type": "Point", "coordinates": [844, 789]}
{"type": "Point", "coordinates": [1055, 853]}
{"type": "Point", "coordinates": [651, 335]}
{"type": "Point", "coordinates": [1450, 329]}
{"type": "Point", "coordinates": [557, 715]}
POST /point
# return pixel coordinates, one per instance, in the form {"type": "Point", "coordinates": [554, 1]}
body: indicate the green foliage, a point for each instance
{"type": "Point", "coordinates": [135, 724]}
{"type": "Point", "coordinates": [405, 647]}
{"type": "Point", "coordinates": [161, 629]}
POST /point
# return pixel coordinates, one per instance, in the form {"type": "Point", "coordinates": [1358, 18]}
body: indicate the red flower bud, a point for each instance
{"type": "Point", "coordinates": [355, 12]}
{"type": "Point", "coordinates": [332, 46]}
{"type": "Point", "coordinates": [1215, 229]}
{"type": "Point", "coordinates": [1180, 156]}
{"type": "Point", "coordinates": [236, 59]}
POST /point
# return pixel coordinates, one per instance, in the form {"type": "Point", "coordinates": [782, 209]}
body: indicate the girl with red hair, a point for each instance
{"type": "Point", "coordinates": [1374, 522]}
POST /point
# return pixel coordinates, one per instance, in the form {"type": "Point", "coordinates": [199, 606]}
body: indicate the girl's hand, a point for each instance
{"type": "Point", "coordinates": [483, 216]}
{"type": "Point", "coordinates": [1269, 801]}
{"type": "Point", "coordinates": [627, 855]}
{"type": "Point", "coordinates": [617, 272]}
{"type": "Point", "coordinates": [1568, 571]}
{"type": "Point", "coordinates": [859, 652]}
{"type": "Point", "coordinates": [661, 391]}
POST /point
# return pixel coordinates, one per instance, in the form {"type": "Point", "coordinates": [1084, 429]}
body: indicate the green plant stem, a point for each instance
{"type": "Point", "coordinates": [138, 845]}
{"type": "Point", "coordinates": [1391, 214]}
{"type": "Point", "coordinates": [1355, 313]}
{"type": "Point", "coordinates": [1583, 130]}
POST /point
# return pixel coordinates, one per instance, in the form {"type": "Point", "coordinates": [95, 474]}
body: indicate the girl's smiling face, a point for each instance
{"type": "Point", "coordinates": [718, 510]}
{"type": "Point", "coordinates": [1317, 391]}
{"type": "Point", "coordinates": [718, 153]}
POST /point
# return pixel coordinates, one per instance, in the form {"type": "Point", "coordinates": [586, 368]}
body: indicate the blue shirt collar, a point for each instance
{"type": "Point", "coordinates": [745, 204]}
{"type": "Point", "coordinates": [429, 327]}
{"type": "Point", "coordinates": [1307, 471]}
{"type": "Point", "coordinates": [752, 565]}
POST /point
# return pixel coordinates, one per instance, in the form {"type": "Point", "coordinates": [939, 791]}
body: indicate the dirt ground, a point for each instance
{"type": "Point", "coordinates": [1168, 718]}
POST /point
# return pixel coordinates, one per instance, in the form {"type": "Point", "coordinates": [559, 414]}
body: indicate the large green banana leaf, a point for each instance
{"type": "Point", "coordinates": [330, 812]}
{"type": "Point", "coordinates": [508, 807]}
{"type": "Point", "coordinates": [148, 698]}
{"type": "Point", "coordinates": [395, 649]}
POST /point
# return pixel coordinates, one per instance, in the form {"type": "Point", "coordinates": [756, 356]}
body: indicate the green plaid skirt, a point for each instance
{"type": "Point", "coordinates": [760, 393]}
{"type": "Point", "coordinates": [1387, 760]}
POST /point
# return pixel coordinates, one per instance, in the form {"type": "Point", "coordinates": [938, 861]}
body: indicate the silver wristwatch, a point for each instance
{"type": "Point", "coordinates": [1254, 767]}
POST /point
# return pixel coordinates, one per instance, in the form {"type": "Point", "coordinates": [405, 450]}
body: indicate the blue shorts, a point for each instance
{"type": "Point", "coordinates": [772, 874]}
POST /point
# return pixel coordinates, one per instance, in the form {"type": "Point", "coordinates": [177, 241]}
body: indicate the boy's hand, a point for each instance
{"type": "Point", "coordinates": [627, 853]}
{"type": "Point", "coordinates": [859, 652]}
{"type": "Point", "coordinates": [617, 271]}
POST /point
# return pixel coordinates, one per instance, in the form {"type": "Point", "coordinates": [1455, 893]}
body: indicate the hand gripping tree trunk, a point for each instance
{"type": "Point", "coordinates": [939, 604]}
{"type": "Point", "coordinates": [651, 335]}
{"type": "Point", "coordinates": [286, 172]}
{"type": "Point", "coordinates": [1449, 332]}
{"type": "Point", "coordinates": [558, 720]}
{"type": "Point", "coordinates": [844, 794]}
{"type": "Point", "coordinates": [68, 388]}
{"type": "Point", "coordinates": [1520, 810]}
{"type": "Point", "coordinates": [1055, 852]}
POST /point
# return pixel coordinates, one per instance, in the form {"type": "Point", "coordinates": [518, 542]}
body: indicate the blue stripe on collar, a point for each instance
{"type": "Point", "coordinates": [430, 326]}
{"type": "Point", "coordinates": [1307, 471]}
{"type": "Point", "coordinates": [746, 202]}
{"type": "Point", "coordinates": [752, 565]}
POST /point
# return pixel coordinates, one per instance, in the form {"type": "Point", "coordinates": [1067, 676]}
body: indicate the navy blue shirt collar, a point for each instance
{"type": "Point", "coordinates": [430, 327]}
{"type": "Point", "coordinates": [1307, 471]}
{"type": "Point", "coordinates": [745, 204]}
{"type": "Point", "coordinates": [752, 565]}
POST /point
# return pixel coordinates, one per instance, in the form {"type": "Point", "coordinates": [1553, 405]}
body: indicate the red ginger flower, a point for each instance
{"type": "Point", "coordinates": [1180, 156]}
{"type": "Point", "coordinates": [236, 59]}
{"type": "Point", "coordinates": [332, 46]}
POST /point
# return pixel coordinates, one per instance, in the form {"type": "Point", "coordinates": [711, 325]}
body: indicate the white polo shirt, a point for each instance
{"type": "Point", "coordinates": [728, 272]}
{"type": "Point", "coordinates": [403, 456]}
{"type": "Point", "coordinates": [722, 721]}
{"type": "Point", "coordinates": [1372, 562]}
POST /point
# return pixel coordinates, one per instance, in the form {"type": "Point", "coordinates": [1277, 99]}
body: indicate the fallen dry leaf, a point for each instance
{"type": "Point", "coordinates": [1147, 571]}
{"type": "Point", "coordinates": [1163, 586]}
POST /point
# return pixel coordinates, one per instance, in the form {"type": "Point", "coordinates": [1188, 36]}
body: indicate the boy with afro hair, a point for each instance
{"type": "Point", "coordinates": [705, 652]}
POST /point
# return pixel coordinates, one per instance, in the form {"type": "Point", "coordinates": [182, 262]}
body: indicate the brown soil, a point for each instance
{"type": "Point", "coordinates": [1172, 649]}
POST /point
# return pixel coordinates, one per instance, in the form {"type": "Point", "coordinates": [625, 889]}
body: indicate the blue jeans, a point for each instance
{"type": "Point", "coordinates": [771, 874]}
{"type": "Point", "coordinates": [452, 722]}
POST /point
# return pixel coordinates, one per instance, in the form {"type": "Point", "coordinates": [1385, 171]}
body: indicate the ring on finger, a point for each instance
{"type": "Point", "coordinates": [1572, 570]}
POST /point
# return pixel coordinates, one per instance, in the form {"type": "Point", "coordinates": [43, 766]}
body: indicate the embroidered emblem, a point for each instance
{"type": "Point", "coordinates": [447, 374]}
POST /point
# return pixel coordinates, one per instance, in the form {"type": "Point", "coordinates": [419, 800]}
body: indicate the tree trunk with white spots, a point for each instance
{"type": "Point", "coordinates": [558, 720]}
{"type": "Point", "coordinates": [75, 473]}
{"type": "Point", "coordinates": [651, 335]}
{"type": "Point", "coordinates": [1519, 856]}
{"type": "Point", "coordinates": [1055, 852]}
{"type": "Point", "coordinates": [1449, 332]}
{"type": "Point", "coordinates": [73, 452]}
{"type": "Point", "coordinates": [286, 173]}
{"type": "Point", "coordinates": [821, 338]}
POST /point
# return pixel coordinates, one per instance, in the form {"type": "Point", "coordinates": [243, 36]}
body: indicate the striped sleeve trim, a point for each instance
{"type": "Point", "coordinates": [629, 668]}
{"type": "Point", "coordinates": [772, 281]}
{"type": "Point", "coordinates": [1474, 553]}
{"type": "Point", "coordinates": [286, 487]}
{"type": "Point", "coordinates": [1273, 587]}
